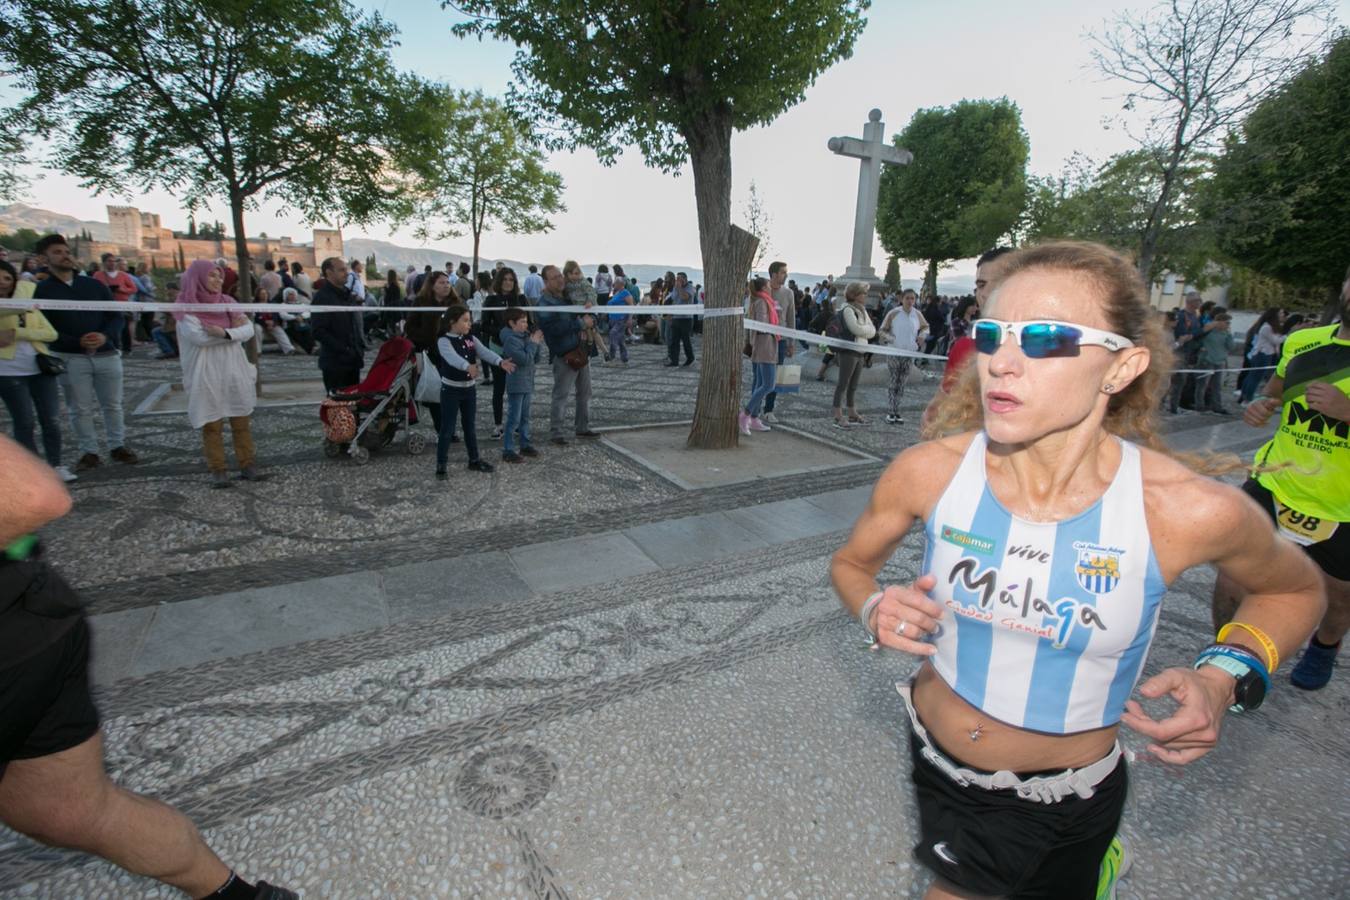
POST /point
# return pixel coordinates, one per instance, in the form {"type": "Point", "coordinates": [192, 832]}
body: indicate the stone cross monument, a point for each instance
{"type": "Point", "coordinates": [872, 150]}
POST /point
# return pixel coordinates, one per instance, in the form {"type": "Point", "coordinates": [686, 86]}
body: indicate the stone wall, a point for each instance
{"type": "Point", "coordinates": [140, 238]}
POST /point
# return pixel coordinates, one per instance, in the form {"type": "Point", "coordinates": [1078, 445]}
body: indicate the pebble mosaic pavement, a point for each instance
{"type": "Point", "coordinates": [716, 732]}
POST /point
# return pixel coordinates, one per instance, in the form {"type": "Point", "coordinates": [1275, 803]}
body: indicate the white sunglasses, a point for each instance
{"type": "Point", "coordinates": [1045, 337]}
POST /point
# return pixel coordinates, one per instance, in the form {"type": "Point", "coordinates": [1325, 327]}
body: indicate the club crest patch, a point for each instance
{"type": "Point", "coordinates": [1098, 568]}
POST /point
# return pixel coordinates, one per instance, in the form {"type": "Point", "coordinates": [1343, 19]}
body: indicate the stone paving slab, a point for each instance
{"type": "Point", "coordinates": [786, 520]}
{"type": "Point", "coordinates": [779, 453]}
{"type": "Point", "coordinates": [848, 502]}
{"type": "Point", "coordinates": [434, 588]}
{"type": "Point", "coordinates": [117, 640]}
{"type": "Point", "coordinates": [570, 563]}
{"type": "Point", "coordinates": [696, 539]}
{"type": "Point", "coordinates": [194, 631]}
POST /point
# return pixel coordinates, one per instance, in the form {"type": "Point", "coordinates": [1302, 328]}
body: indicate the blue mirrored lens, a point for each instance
{"type": "Point", "coordinates": [988, 335]}
{"type": "Point", "coordinates": [1042, 340]}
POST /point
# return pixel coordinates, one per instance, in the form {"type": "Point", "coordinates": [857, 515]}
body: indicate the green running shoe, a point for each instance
{"type": "Point", "coordinates": [1115, 865]}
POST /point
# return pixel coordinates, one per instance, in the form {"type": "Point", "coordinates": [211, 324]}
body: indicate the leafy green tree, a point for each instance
{"type": "Point", "coordinates": [1194, 69]}
{"type": "Point", "coordinates": [965, 189]}
{"type": "Point", "coordinates": [474, 161]}
{"type": "Point", "coordinates": [674, 78]}
{"type": "Point", "coordinates": [1280, 196]}
{"type": "Point", "coordinates": [20, 239]}
{"type": "Point", "coordinates": [892, 276]}
{"type": "Point", "coordinates": [235, 99]}
{"type": "Point", "coordinates": [1113, 204]}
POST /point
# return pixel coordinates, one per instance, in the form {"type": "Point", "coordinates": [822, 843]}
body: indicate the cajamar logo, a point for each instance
{"type": "Point", "coordinates": [967, 540]}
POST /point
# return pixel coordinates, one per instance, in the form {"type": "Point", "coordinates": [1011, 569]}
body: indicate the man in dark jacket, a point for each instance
{"type": "Point", "coordinates": [681, 327]}
{"type": "Point", "coordinates": [562, 333]}
{"type": "Point", "coordinates": [342, 351]}
{"type": "Point", "coordinates": [87, 341]}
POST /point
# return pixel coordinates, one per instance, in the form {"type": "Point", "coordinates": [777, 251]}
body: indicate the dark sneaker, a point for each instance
{"type": "Point", "coordinates": [441, 475]}
{"type": "Point", "coordinates": [220, 479]}
{"type": "Point", "coordinates": [123, 455]}
{"type": "Point", "coordinates": [588, 434]}
{"type": "Point", "coordinates": [251, 473]}
{"type": "Point", "coordinates": [687, 362]}
{"type": "Point", "coordinates": [512, 457]}
{"type": "Point", "coordinates": [1314, 670]}
{"type": "Point", "coordinates": [88, 461]}
{"type": "Point", "coordinates": [271, 892]}
{"type": "Point", "coordinates": [560, 441]}
{"type": "Point", "coordinates": [529, 451]}
{"type": "Point", "coordinates": [479, 465]}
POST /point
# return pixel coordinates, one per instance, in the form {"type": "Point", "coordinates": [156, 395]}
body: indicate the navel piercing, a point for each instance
{"type": "Point", "coordinates": [977, 731]}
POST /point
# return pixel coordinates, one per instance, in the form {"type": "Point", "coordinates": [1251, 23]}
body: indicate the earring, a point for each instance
{"type": "Point", "coordinates": [1108, 388]}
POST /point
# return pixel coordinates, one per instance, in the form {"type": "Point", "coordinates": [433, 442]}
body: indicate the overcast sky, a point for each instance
{"type": "Point", "coordinates": [912, 55]}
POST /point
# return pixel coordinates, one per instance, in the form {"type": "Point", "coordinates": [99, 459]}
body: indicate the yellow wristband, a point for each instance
{"type": "Point", "coordinates": [1272, 654]}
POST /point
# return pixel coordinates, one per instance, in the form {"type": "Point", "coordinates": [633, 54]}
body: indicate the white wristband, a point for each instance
{"type": "Point", "coordinates": [865, 614]}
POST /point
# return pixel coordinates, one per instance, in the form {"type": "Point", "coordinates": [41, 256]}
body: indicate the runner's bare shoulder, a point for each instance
{"type": "Point", "coordinates": [1190, 516]}
{"type": "Point", "coordinates": [915, 479]}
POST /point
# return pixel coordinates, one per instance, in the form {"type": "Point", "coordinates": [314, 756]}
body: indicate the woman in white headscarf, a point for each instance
{"type": "Point", "coordinates": [218, 378]}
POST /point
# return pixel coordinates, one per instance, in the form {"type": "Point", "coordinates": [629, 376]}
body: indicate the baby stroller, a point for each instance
{"type": "Point", "coordinates": [367, 416]}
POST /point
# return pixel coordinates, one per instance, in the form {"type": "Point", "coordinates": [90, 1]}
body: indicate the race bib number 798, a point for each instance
{"type": "Point", "coordinates": [1303, 529]}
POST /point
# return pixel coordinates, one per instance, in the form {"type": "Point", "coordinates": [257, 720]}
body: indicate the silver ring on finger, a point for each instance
{"type": "Point", "coordinates": [900, 629]}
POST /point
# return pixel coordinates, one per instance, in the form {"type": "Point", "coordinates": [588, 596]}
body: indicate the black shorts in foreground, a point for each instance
{"type": "Point", "coordinates": [996, 844]}
{"type": "Point", "coordinates": [1332, 556]}
{"type": "Point", "coordinates": [45, 705]}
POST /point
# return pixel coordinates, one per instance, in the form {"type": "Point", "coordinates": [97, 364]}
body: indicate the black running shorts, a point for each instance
{"type": "Point", "coordinates": [996, 844]}
{"type": "Point", "coordinates": [45, 706]}
{"type": "Point", "coordinates": [1332, 555]}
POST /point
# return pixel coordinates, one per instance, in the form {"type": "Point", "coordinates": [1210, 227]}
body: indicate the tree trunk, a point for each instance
{"type": "Point", "coordinates": [1148, 246]}
{"type": "Point", "coordinates": [477, 235]}
{"type": "Point", "coordinates": [252, 349]}
{"type": "Point", "coordinates": [727, 254]}
{"type": "Point", "coordinates": [930, 279]}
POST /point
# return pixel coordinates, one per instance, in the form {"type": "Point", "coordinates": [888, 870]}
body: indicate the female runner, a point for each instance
{"type": "Point", "coordinates": [1051, 539]}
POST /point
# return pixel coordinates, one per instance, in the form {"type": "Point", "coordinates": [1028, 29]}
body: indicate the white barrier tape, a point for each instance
{"type": "Point", "coordinates": [131, 306]}
{"type": "Point", "coordinates": [813, 338]}
{"type": "Point", "coordinates": [715, 312]}
{"type": "Point", "coordinates": [1217, 371]}
{"type": "Point", "coordinates": [688, 309]}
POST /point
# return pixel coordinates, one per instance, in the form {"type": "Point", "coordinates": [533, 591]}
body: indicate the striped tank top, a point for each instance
{"type": "Point", "coordinates": [1046, 624]}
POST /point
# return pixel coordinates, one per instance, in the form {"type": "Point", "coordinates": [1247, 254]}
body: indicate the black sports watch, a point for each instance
{"type": "Point", "coordinates": [1250, 690]}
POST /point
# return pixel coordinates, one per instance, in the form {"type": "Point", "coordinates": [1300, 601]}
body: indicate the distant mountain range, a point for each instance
{"type": "Point", "coordinates": [21, 215]}
{"type": "Point", "coordinates": [388, 255]}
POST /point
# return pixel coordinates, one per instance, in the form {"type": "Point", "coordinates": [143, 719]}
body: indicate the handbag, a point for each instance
{"type": "Point", "coordinates": [51, 365]}
{"type": "Point", "coordinates": [578, 357]}
{"type": "Point", "coordinates": [428, 388]}
{"type": "Point", "coordinates": [789, 380]}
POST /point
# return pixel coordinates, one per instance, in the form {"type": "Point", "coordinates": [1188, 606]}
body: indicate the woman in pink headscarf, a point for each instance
{"type": "Point", "coordinates": [218, 378]}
